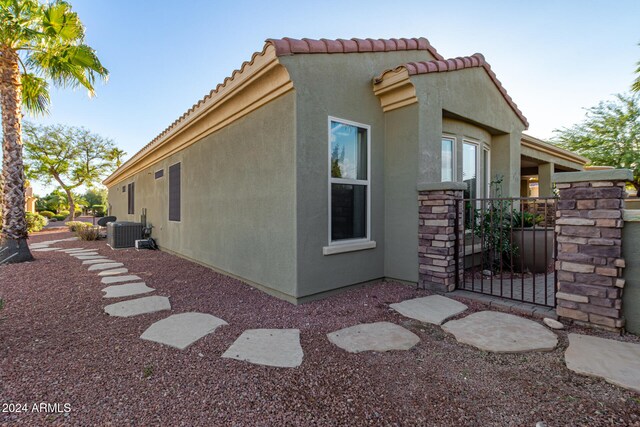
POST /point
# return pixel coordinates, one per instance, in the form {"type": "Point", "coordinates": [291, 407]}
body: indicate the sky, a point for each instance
{"type": "Point", "coordinates": [554, 57]}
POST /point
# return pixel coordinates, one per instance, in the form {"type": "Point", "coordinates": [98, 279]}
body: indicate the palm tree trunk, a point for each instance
{"type": "Point", "coordinates": [14, 225]}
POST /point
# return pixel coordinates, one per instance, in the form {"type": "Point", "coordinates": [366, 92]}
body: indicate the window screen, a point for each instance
{"type": "Point", "coordinates": [131, 198]}
{"type": "Point", "coordinates": [159, 174]}
{"type": "Point", "coordinates": [174, 192]}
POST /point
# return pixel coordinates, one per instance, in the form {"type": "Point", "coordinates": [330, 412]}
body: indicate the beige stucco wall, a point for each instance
{"type": "Point", "coordinates": [337, 85]}
{"type": "Point", "coordinates": [238, 199]}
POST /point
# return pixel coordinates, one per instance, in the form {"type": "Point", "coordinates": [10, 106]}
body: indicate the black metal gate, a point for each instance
{"type": "Point", "coordinates": [508, 248]}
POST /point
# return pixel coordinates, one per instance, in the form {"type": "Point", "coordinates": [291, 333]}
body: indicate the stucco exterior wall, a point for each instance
{"type": "Point", "coordinates": [468, 94]}
{"type": "Point", "coordinates": [238, 199]}
{"type": "Point", "coordinates": [401, 195]}
{"type": "Point", "coordinates": [337, 85]}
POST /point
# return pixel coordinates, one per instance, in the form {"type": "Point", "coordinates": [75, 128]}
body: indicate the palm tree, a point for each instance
{"type": "Point", "coordinates": [39, 43]}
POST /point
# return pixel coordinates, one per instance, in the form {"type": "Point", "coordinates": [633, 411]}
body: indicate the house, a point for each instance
{"type": "Point", "coordinates": [299, 173]}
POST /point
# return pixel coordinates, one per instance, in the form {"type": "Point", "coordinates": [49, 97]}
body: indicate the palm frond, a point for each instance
{"type": "Point", "coordinates": [69, 66]}
{"type": "Point", "coordinates": [59, 20]}
{"type": "Point", "coordinates": [35, 94]}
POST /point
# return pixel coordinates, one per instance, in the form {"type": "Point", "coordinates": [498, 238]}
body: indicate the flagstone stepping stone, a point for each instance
{"type": "Point", "coordinates": [501, 333]}
{"type": "Point", "coordinates": [380, 336]}
{"type": "Point", "coordinates": [117, 279]}
{"type": "Point", "coordinates": [105, 266]}
{"type": "Point", "coordinates": [84, 254]}
{"type": "Point", "coordinates": [182, 330]}
{"type": "Point", "coordinates": [271, 347]}
{"type": "Point", "coordinates": [39, 245]}
{"type": "Point", "coordinates": [138, 306]}
{"type": "Point", "coordinates": [96, 260]}
{"type": "Point", "coordinates": [121, 270]}
{"type": "Point", "coordinates": [86, 257]}
{"type": "Point", "coordinates": [73, 250]}
{"type": "Point", "coordinates": [126, 290]}
{"type": "Point", "coordinates": [433, 309]}
{"type": "Point", "coordinates": [615, 361]}
{"type": "Point", "coordinates": [46, 249]}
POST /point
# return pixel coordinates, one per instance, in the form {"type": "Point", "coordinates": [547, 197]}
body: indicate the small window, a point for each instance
{"type": "Point", "coordinates": [159, 174]}
{"type": "Point", "coordinates": [470, 168]}
{"type": "Point", "coordinates": [124, 189]}
{"type": "Point", "coordinates": [131, 198]}
{"type": "Point", "coordinates": [447, 152]}
{"type": "Point", "coordinates": [174, 192]}
{"type": "Point", "coordinates": [349, 201]}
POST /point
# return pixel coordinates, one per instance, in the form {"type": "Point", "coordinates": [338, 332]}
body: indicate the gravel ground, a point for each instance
{"type": "Point", "coordinates": [58, 346]}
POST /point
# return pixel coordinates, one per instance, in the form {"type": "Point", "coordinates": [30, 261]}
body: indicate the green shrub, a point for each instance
{"type": "Point", "coordinates": [75, 225]}
{"type": "Point", "coordinates": [65, 213]}
{"type": "Point", "coordinates": [35, 222]}
{"type": "Point", "coordinates": [46, 214]}
{"type": "Point", "coordinates": [60, 217]}
{"type": "Point", "coordinates": [88, 231]}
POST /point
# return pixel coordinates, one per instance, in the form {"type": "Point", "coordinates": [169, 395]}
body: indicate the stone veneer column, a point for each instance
{"type": "Point", "coordinates": [589, 233]}
{"type": "Point", "coordinates": [437, 234]}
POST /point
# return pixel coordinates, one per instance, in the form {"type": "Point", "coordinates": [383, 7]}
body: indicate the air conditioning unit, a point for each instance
{"type": "Point", "coordinates": [123, 234]}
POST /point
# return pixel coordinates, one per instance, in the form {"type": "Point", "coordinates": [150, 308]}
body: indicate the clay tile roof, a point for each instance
{"type": "Point", "coordinates": [288, 46]}
{"type": "Point", "coordinates": [474, 61]}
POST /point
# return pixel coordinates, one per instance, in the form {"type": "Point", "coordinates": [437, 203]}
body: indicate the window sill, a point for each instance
{"type": "Point", "coordinates": [348, 247]}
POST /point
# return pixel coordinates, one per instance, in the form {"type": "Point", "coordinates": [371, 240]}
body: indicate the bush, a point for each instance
{"type": "Point", "coordinates": [75, 225]}
{"type": "Point", "coordinates": [65, 213]}
{"type": "Point", "coordinates": [35, 222]}
{"type": "Point", "coordinates": [60, 217]}
{"type": "Point", "coordinates": [46, 214]}
{"type": "Point", "coordinates": [87, 231]}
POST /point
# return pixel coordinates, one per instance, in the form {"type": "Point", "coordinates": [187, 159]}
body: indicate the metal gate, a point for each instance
{"type": "Point", "coordinates": [508, 248]}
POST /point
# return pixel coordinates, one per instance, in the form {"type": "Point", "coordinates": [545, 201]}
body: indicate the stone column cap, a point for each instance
{"type": "Point", "coordinates": [442, 186]}
{"type": "Point", "coordinates": [601, 175]}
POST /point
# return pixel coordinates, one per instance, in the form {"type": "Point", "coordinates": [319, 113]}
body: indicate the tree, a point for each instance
{"type": "Point", "coordinates": [70, 156]}
{"type": "Point", "coordinates": [636, 83]}
{"type": "Point", "coordinates": [609, 135]}
{"type": "Point", "coordinates": [95, 197]}
{"type": "Point", "coordinates": [116, 155]}
{"type": "Point", "coordinates": [39, 43]}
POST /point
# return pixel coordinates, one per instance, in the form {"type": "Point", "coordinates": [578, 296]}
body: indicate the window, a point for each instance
{"type": "Point", "coordinates": [470, 168]}
{"type": "Point", "coordinates": [174, 192]}
{"type": "Point", "coordinates": [130, 198]}
{"type": "Point", "coordinates": [349, 199]}
{"type": "Point", "coordinates": [159, 174]}
{"type": "Point", "coordinates": [486, 170]}
{"type": "Point", "coordinates": [447, 152]}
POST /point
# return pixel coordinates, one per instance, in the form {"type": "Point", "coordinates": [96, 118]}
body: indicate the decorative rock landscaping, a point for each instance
{"type": "Point", "coordinates": [113, 272]}
{"type": "Point", "coordinates": [380, 336]}
{"type": "Point", "coordinates": [138, 306]}
{"type": "Point", "coordinates": [617, 362]}
{"type": "Point", "coordinates": [126, 290]}
{"type": "Point", "coordinates": [182, 330]}
{"type": "Point", "coordinates": [272, 347]}
{"type": "Point", "coordinates": [501, 333]}
{"type": "Point", "coordinates": [433, 309]}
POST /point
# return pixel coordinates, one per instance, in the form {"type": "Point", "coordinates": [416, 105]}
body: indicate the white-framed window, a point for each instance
{"type": "Point", "coordinates": [486, 171]}
{"type": "Point", "coordinates": [448, 159]}
{"type": "Point", "coordinates": [476, 168]}
{"type": "Point", "coordinates": [349, 183]}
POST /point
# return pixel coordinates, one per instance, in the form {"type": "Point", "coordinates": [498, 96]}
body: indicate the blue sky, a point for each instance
{"type": "Point", "coordinates": [554, 57]}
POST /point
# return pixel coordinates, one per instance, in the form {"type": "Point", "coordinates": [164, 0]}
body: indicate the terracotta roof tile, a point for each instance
{"type": "Point", "coordinates": [289, 46]}
{"type": "Point", "coordinates": [474, 61]}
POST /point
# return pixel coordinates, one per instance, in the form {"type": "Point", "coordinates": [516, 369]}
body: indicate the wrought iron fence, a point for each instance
{"type": "Point", "coordinates": [508, 248]}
